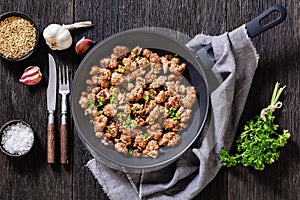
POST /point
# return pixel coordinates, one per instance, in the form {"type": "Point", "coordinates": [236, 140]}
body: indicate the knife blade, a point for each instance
{"type": "Point", "coordinates": [51, 104]}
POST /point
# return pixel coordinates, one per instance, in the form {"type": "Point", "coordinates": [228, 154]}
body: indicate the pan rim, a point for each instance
{"type": "Point", "coordinates": [147, 167]}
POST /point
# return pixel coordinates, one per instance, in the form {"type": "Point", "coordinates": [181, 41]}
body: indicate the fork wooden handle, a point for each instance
{"type": "Point", "coordinates": [64, 144]}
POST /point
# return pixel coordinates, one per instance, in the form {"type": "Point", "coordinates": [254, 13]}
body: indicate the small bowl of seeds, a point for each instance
{"type": "Point", "coordinates": [18, 36]}
{"type": "Point", "coordinates": [16, 138]}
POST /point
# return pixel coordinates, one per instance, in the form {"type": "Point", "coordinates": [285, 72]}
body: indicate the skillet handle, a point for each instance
{"type": "Point", "coordinates": [207, 61]}
{"type": "Point", "coordinates": [255, 26]}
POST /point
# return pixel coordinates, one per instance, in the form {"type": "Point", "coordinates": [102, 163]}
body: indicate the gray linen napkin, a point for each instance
{"type": "Point", "coordinates": [236, 63]}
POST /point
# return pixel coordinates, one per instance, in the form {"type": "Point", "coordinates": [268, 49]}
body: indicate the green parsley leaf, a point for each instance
{"type": "Point", "coordinates": [108, 130]}
{"type": "Point", "coordinates": [144, 137]}
{"type": "Point", "coordinates": [132, 124]}
{"type": "Point", "coordinates": [153, 71]}
{"type": "Point", "coordinates": [130, 151]}
{"type": "Point", "coordinates": [112, 98]}
{"type": "Point", "coordinates": [100, 112]}
{"type": "Point", "coordinates": [99, 104]}
{"type": "Point", "coordinates": [177, 116]}
{"type": "Point", "coordinates": [91, 104]}
{"type": "Point", "coordinates": [134, 51]}
{"type": "Point", "coordinates": [94, 104]}
{"type": "Point", "coordinates": [146, 98]}
{"type": "Point", "coordinates": [128, 122]}
{"type": "Point", "coordinates": [258, 145]}
{"type": "Point", "coordinates": [119, 115]}
{"type": "Point", "coordinates": [173, 114]}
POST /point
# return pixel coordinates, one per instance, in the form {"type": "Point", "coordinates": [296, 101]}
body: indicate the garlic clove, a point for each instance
{"type": "Point", "coordinates": [83, 45]}
{"type": "Point", "coordinates": [31, 76]}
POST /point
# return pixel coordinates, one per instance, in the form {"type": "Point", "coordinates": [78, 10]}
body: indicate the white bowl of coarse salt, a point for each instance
{"type": "Point", "coordinates": [16, 138]}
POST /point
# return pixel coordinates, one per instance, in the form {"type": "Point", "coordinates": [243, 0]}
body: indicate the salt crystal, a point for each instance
{"type": "Point", "coordinates": [17, 139]}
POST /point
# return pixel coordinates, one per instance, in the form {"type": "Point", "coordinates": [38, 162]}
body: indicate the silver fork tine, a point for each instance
{"type": "Point", "coordinates": [63, 75]}
{"type": "Point", "coordinates": [67, 70]}
{"type": "Point", "coordinates": [59, 76]}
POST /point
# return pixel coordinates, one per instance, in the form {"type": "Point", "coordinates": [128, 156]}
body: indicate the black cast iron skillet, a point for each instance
{"type": "Point", "coordinates": [197, 74]}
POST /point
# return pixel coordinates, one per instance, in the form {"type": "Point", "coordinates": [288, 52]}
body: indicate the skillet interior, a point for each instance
{"type": "Point", "coordinates": [161, 44]}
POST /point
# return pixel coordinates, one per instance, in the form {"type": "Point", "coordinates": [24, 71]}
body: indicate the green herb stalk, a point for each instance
{"type": "Point", "coordinates": [259, 143]}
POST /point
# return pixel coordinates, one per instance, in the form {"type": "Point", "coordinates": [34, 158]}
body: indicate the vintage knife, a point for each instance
{"type": "Point", "coordinates": [51, 103]}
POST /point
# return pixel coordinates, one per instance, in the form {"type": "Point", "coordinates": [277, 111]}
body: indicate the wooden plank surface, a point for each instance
{"type": "Point", "coordinates": [31, 177]}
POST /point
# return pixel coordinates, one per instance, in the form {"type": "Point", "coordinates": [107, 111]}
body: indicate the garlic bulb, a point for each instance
{"type": "Point", "coordinates": [58, 37]}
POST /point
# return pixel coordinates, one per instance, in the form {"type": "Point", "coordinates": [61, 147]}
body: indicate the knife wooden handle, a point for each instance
{"type": "Point", "coordinates": [51, 143]}
{"type": "Point", "coordinates": [64, 144]}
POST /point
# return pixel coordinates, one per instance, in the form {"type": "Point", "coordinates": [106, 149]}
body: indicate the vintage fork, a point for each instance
{"type": "Point", "coordinates": [64, 90]}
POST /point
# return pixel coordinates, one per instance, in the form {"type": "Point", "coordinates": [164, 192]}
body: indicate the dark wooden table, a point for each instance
{"type": "Point", "coordinates": [30, 177]}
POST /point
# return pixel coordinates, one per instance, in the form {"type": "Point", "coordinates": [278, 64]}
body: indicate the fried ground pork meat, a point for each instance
{"type": "Point", "coordinates": [137, 101]}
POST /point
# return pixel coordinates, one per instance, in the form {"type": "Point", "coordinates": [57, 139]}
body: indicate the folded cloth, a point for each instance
{"type": "Point", "coordinates": [236, 63]}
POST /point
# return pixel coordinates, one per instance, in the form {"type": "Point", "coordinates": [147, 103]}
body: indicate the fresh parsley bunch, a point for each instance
{"type": "Point", "coordinates": [259, 143]}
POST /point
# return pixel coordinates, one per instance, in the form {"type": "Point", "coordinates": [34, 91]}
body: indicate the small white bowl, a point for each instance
{"type": "Point", "coordinates": [4, 128]}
